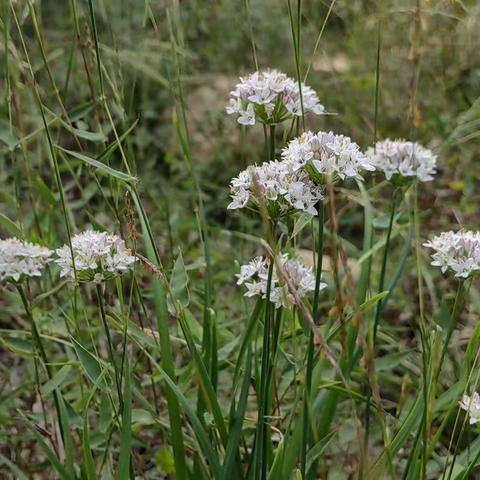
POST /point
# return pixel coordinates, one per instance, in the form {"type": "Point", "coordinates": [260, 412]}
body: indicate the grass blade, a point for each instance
{"type": "Point", "coordinates": [99, 165]}
{"type": "Point", "coordinates": [126, 432]}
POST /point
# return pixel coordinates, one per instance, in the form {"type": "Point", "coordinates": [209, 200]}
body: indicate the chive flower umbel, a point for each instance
{"type": "Point", "coordinates": [271, 97]}
{"type": "Point", "coordinates": [98, 256]}
{"type": "Point", "coordinates": [399, 158]}
{"type": "Point", "coordinates": [254, 275]}
{"type": "Point", "coordinates": [20, 259]}
{"type": "Point", "coordinates": [326, 153]}
{"type": "Point", "coordinates": [456, 251]}
{"type": "Point", "coordinates": [277, 186]}
{"type": "Point", "coordinates": [472, 406]}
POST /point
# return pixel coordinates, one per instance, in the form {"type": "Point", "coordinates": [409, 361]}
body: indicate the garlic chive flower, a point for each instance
{"type": "Point", "coordinates": [472, 406]}
{"type": "Point", "coordinates": [271, 97]}
{"type": "Point", "coordinates": [399, 158]}
{"type": "Point", "coordinates": [20, 260]}
{"type": "Point", "coordinates": [277, 186]}
{"type": "Point", "coordinates": [456, 251]}
{"type": "Point", "coordinates": [98, 256]}
{"type": "Point", "coordinates": [254, 275]}
{"type": "Point", "coordinates": [326, 153]}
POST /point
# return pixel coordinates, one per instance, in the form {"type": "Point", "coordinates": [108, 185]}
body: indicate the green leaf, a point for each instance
{"type": "Point", "coordinates": [105, 155]}
{"type": "Point", "coordinates": [164, 461]}
{"type": "Point", "coordinates": [302, 221]}
{"type": "Point", "coordinates": [178, 285]}
{"type": "Point", "coordinates": [388, 362]}
{"type": "Point", "coordinates": [99, 165]}
{"type": "Point", "coordinates": [364, 307]}
{"type": "Point", "coordinates": [126, 432]}
{"type": "Point", "coordinates": [89, 463]}
{"type": "Point", "coordinates": [7, 136]}
{"type": "Point", "coordinates": [142, 417]}
{"type": "Point", "coordinates": [11, 226]}
{"type": "Point", "coordinates": [56, 380]}
{"type": "Point", "coordinates": [18, 346]}
{"type": "Point", "coordinates": [206, 384]}
{"type": "Point", "coordinates": [80, 111]}
{"type": "Point", "coordinates": [19, 475]}
{"type": "Point", "coordinates": [90, 364]}
{"type": "Point", "coordinates": [236, 422]}
{"type": "Point", "coordinates": [202, 436]}
{"type": "Point", "coordinates": [45, 192]}
{"type": "Point", "coordinates": [91, 136]}
{"type": "Point", "coordinates": [67, 434]}
{"type": "Point", "coordinates": [247, 337]}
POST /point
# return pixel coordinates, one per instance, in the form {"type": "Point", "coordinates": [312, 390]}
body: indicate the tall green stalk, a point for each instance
{"type": "Point", "coordinates": [424, 425]}
{"type": "Point", "coordinates": [261, 460]}
{"type": "Point", "coordinates": [381, 282]}
{"type": "Point", "coordinates": [268, 352]}
{"type": "Point", "coordinates": [111, 353]}
{"type": "Point", "coordinates": [307, 434]}
{"type": "Point", "coordinates": [379, 306]}
{"type": "Point", "coordinates": [457, 304]}
{"type": "Point", "coordinates": [295, 28]}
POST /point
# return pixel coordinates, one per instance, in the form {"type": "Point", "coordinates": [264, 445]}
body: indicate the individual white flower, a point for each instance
{"type": "Point", "coordinates": [271, 97]}
{"type": "Point", "coordinates": [403, 159]}
{"type": "Point", "coordinates": [20, 259]}
{"type": "Point", "coordinates": [276, 185]}
{"type": "Point", "coordinates": [456, 251]}
{"type": "Point", "coordinates": [254, 275]}
{"type": "Point", "coordinates": [98, 256]}
{"type": "Point", "coordinates": [472, 406]}
{"type": "Point", "coordinates": [328, 154]}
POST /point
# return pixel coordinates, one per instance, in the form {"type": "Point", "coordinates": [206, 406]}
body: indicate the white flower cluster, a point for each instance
{"type": "Point", "coordinates": [328, 153]}
{"type": "Point", "coordinates": [457, 251]}
{"type": "Point", "coordinates": [19, 259]}
{"type": "Point", "coordinates": [407, 159]}
{"type": "Point", "coordinates": [271, 97]}
{"type": "Point", "coordinates": [472, 406]}
{"type": "Point", "coordinates": [277, 185]}
{"type": "Point", "coordinates": [98, 256]}
{"type": "Point", "coordinates": [254, 276]}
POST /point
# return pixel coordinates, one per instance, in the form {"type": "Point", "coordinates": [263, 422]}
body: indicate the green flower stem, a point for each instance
{"type": "Point", "coordinates": [379, 307]}
{"type": "Point", "coordinates": [41, 350]}
{"type": "Point", "coordinates": [381, 283]}
{"type": "Point", "coordinates": [109, 343]}
{"type": "Point", "coordinates": [272, 143]}
{"type": "Point", "coordinates": [260, 465]}
{"type": "Point", "coordinates": [307, 434]}
{"type": "Point", "coordinates": [457, 304]}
